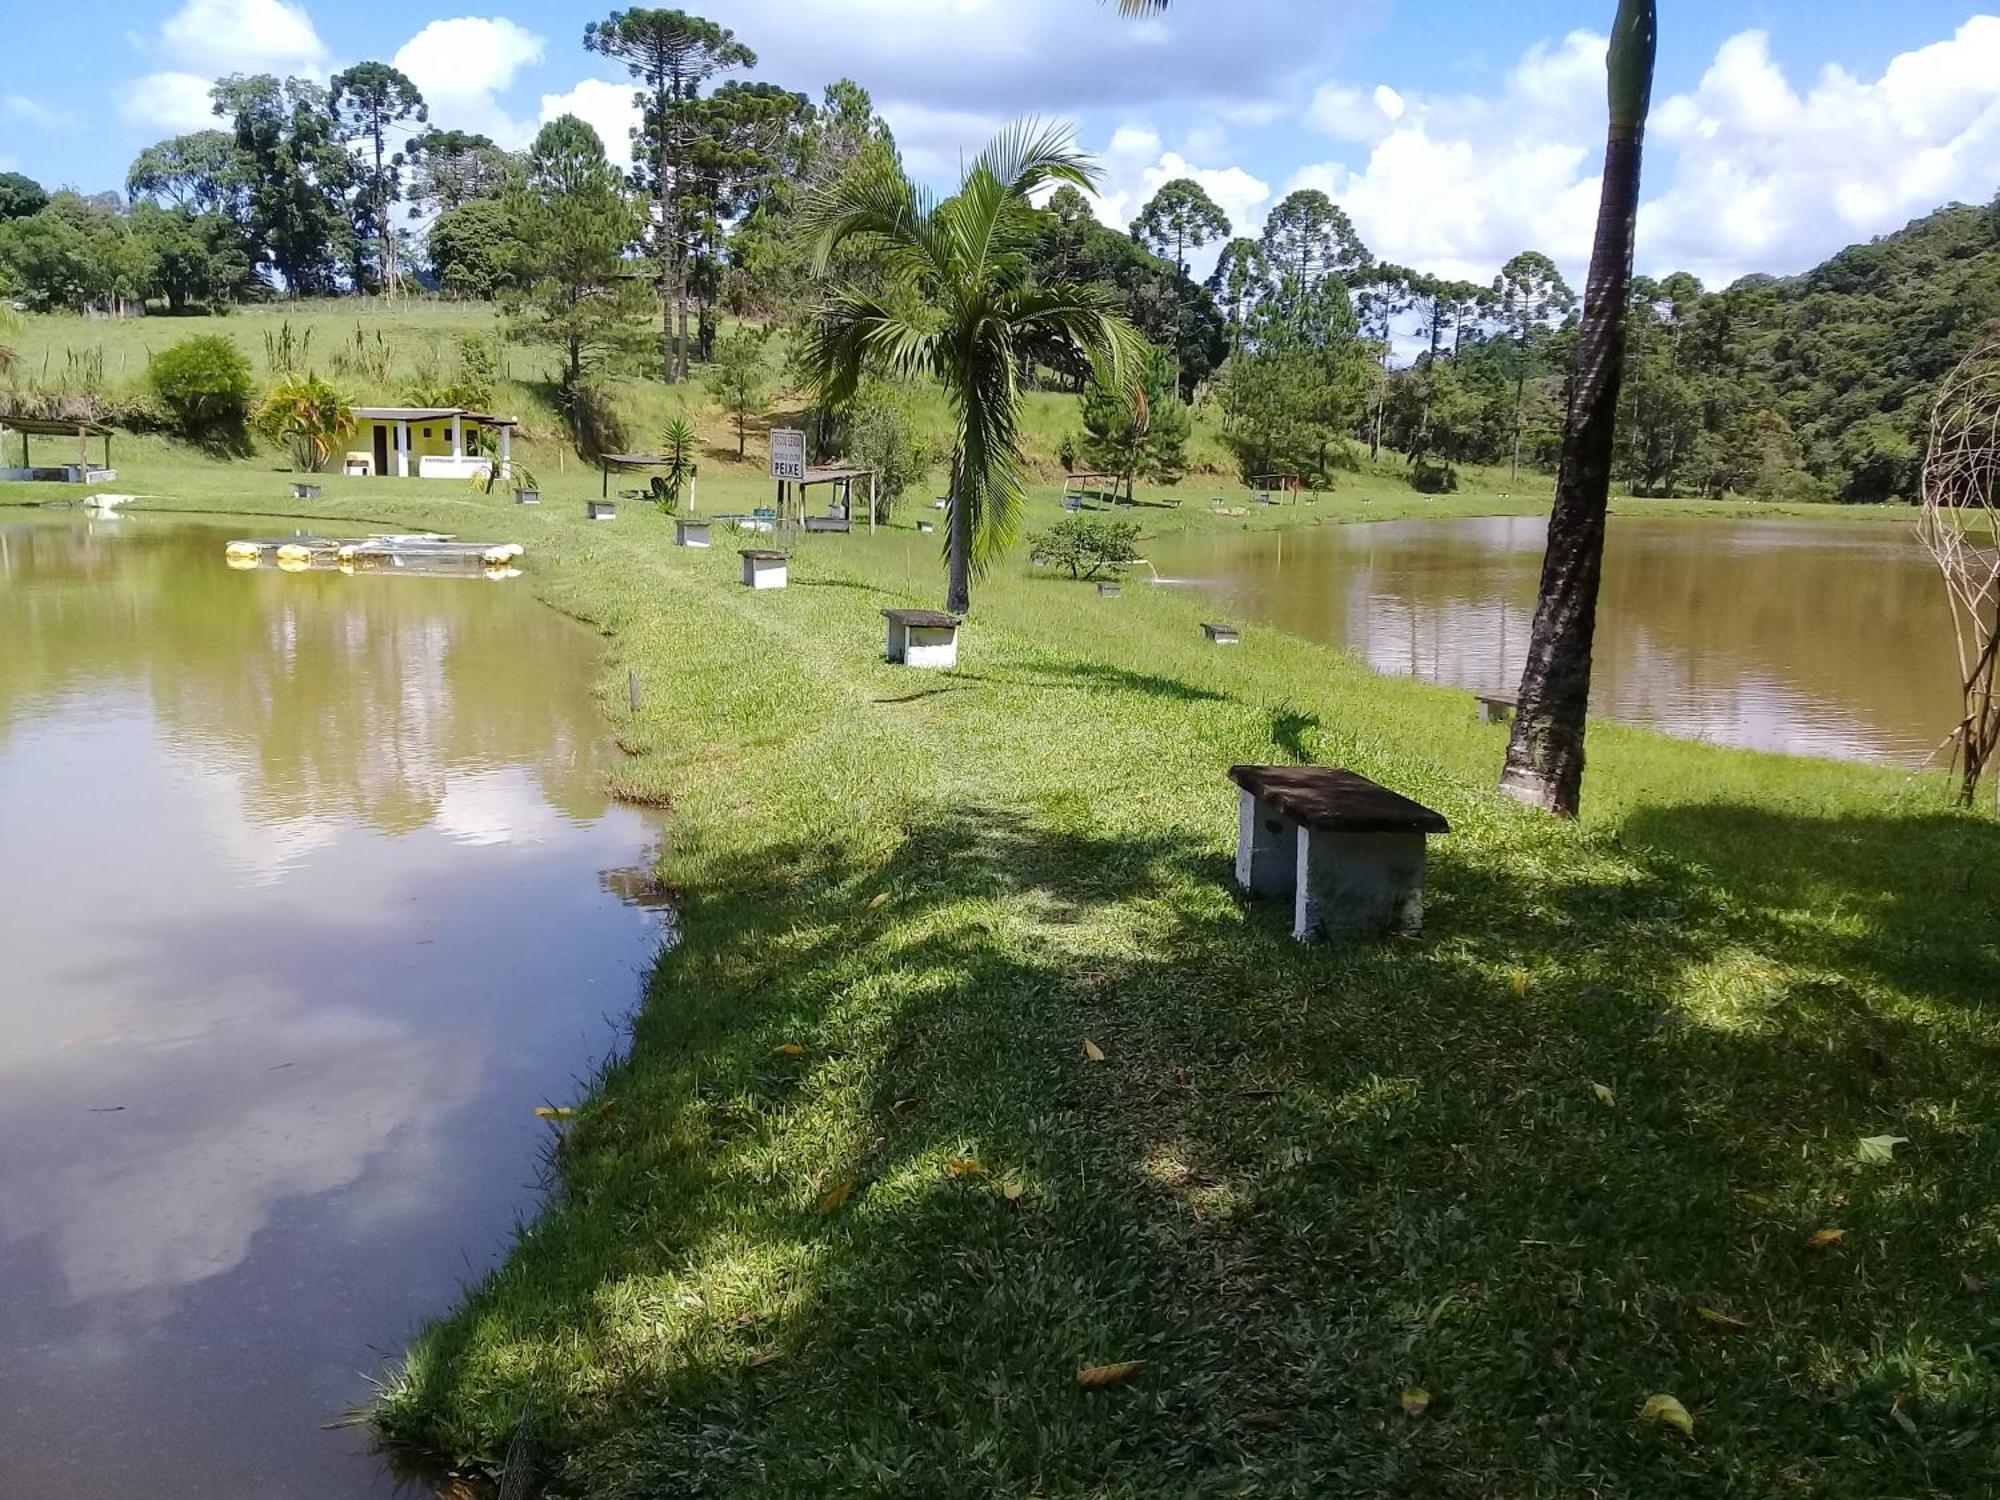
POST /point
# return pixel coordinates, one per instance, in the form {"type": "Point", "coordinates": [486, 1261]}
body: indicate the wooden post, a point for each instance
{"type": "Point", "coordinates": [871, 502]}
{"type": "Point", "coordinates": [632, 688]}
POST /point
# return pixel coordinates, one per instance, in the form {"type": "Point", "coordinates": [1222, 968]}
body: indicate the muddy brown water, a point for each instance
{"type": "Point", "coordinates": [1817, 638]}
{"type": "Point", "coordinates": [309, 894]}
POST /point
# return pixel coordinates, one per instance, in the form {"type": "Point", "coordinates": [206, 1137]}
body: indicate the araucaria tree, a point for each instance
{"type": "Point", "coordinates": [957, 303]}
{"type": "Point", "coordinates": [1529, 297]}
{"type": "Point", "coordinates": [369, 100]}
{"type": "Point", "coordinates": [1545, 754]}
{"type": "Point", "coordinates": [570, 226]}
{"type": "Point", "coordinates": [671, 54]}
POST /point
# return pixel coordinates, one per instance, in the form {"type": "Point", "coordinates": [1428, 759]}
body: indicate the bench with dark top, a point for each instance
{"type": "Point", "coordinates": [1347, 850]}
{"type": "Point", "coordinates": [828, 523]}
{"type": "Point", "coordinates": [922, 637]}
{"type": "Point", "coordinates": [1222, 635]}
{"type": "Point", "coordinates": [1496, 708]}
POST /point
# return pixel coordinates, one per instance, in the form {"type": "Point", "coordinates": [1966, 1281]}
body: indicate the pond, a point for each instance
{"type": "Point", "coordinates": [1818, 638]}
{"type": "Point", "coordinates": [309, 895]}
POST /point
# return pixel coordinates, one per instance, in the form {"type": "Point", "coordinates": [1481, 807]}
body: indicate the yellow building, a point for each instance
{"type": "Point", "coordinates": [431, 442]}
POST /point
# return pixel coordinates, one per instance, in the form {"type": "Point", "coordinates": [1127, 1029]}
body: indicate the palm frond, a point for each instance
{"type": "Point", "coordinates": [1141, 7]}
{"type": "Point", "coordinates": [853, 328]}
{"type": "Point", "coordinates": [1031, 154]}
{"type": "Point", "coordinates": [883, 207]}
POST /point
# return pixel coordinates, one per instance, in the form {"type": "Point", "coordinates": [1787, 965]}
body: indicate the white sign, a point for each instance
{"type": "Point", "coordinates": [788, 453]}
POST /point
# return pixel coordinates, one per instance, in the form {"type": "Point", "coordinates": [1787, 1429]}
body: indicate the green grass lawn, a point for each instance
{"type": "Point", "coordinates": [857, 1204]}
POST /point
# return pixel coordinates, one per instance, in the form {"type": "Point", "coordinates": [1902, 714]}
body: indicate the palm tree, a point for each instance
{"type": "Point", "coordinates": [1545, 752]}
{"type": "Point", "coordinates": [958, 305]}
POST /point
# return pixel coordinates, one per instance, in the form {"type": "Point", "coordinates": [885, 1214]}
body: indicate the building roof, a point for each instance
{"type": "Point", "coordinates": [834, 473]}
{"type": "Point", "coordinates": [53, 427]}
{"type": "Point", "coordinates": [430, 414]}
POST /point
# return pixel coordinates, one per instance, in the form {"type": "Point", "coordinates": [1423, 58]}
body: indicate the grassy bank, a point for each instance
{"type": "Point", "coordinates": [858, 1204]}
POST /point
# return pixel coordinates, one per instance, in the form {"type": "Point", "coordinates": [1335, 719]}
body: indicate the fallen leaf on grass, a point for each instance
{"type": "Point", "coordinates": [1902, 1417]}
{"type": "Point", "coordinates": [1416, 1401]}
{"type": "Point", "coordinates": [836, 1196]}
{"type": "Point", "coordinates": [1604, 1094]}
{"type": "Point", "coordinates": [1664, 1408]}
{"type": "Point", "coordinates": [790, 1049]}
{"type": "Point", "coordinates": [1973, 1284]}
{"type": "Point", "coordinates": [877, 901]}
{"type": "Point", "coordinates": [1091, 1051]}
{"type": "Point", "coordinates": [1095, 1377]}
{"type": "Point", "coordinates": [1819, 1239]}
{"type": "Point", "coordinates": [1275, 1416]}
{"type": "Point", "coordinates": [1878, 1148]}
{"type": "Point", "coordinates": [1720, 1319]}
{"type": "Point", "coordinates": [1518, 980]}
{"type": "Point", "coordinates": [550, 1112]}
{"type": "Point", "coordinates": [1012, 1191]}
{"type": "Point", "coordinates": [758, 1361]}
{"type": "Point", "coordinates": [964, 1166]}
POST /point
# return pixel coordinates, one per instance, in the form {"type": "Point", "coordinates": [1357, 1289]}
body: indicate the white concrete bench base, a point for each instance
{"type": "Point", "coordinates": [1495, 709]}
{"type": "Point", "coordinates": [690, 533]}
{"type": "Point", "coordinates": [1343, 882]}
{"type": "Point", "coordinates": [764, 570]}
{"type": "Point", "coordinates": [921, 638]}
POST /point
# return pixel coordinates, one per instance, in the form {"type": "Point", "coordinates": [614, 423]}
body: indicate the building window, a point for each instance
{"type": "Point", "coordinates": [427, 432]}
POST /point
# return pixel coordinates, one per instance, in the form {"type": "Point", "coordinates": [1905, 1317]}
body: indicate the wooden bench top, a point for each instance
{"type": "Point", "coordinates": [1506, 700]}
{"type": "Point", "coordinates": [760, 554]}
{"type": "Point", "coordinates": [1215, 629]}
{"type": "Point", "coordinates": [1332, 797]}
{"type": "Point", "coordinates": [922, 619]}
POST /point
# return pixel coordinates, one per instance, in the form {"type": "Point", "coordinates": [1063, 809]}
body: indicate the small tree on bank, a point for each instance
{"type": "Point", "coordinates": [1138, 433]}
{"type": "Point", "coordinates": [739, 380]}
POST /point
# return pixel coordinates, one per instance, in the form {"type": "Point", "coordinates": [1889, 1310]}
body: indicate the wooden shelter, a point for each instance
{"type": "Point", "coordinates": [836, 474]}
{"type": "Point", "coordinates": [83, 471]}
{"type": "Point", "coordinates": [606, 462]}
{"type": "Point", "coordinates": [1268, 484]}
{"type": "Point", "coordinates": [1080, 490]}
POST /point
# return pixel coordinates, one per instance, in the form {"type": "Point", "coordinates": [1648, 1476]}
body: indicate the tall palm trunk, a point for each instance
{"type": "Point", "coordinates": [1545, 753]}
{"type": "Point", "coordinates": [958, 591]}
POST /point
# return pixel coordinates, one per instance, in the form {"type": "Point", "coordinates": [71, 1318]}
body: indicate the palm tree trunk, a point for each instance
{"type": "Point", "coordinates": [958, 595]}
{"type": "Point", "coordinates": [1545, 753]}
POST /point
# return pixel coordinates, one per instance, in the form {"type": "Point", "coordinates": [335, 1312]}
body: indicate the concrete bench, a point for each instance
{"type": "Point", "coordinates": [763, 568]}
{"type": "Point", "coordinates": [1108, 589]}
{"type": "Point", "coordinates": [600, 510]}
{"type": "Point", "coordinates": [1496, 708]}
{"type": "Point", "coordinates": [922, 637]}
{"type": "Point", "coordinates": [1347, 850]}
{"type": "Point", "coordinates": [301, 491]}
{"type": "Point", "coordinates": [827, 523]}
{"type": "Point", "coordinates": [690, 533]}
{"type": "Point", "coordinates": [527, 497]}
{"type": "Point", "coordinates": [1221, 635]}
{"type": "Point", "coordinates": [926, 527]}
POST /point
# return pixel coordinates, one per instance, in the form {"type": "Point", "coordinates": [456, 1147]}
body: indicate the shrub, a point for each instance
{"type": "Point", "coordinates": [307, 414]}
{"type": "Point", "coordinates": [1086, 547]}
{"type": "Point", "coordinates": [883, 435]}
{"type": "Point", "coordinates": [204, 382]}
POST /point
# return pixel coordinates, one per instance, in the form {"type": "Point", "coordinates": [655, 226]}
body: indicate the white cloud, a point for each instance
{"type": "Point", "coordinates": [243, 36]}
{"type": "Point", "coordinates": [21, 107]}
{"type": "Point", "coordinates": [1744, 173]}
{"type": "Point", "coordinates": [608, 108]}
{"type": "Point", "coordinates": [463, 65]}
{"type": "Point", "coordinates": [1456, 184]}
{"type": "Point", "coordinates": [1136, 166]}
{"type": "Point", "coordinates": [209, 38]}
{"type": "Point", "coordinates": [1768, 178]}
{"type": "Point", "coordinates": [176, 102]}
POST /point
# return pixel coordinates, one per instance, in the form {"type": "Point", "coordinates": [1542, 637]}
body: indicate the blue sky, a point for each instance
{"type": "Point", "coordinates": [1455, 131]}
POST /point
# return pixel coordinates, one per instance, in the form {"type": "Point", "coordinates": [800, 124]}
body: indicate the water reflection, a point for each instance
{"type": "Point", "coordinates": [309, 894]}
{"type": "Point", "coordinates": [1825, 639]}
